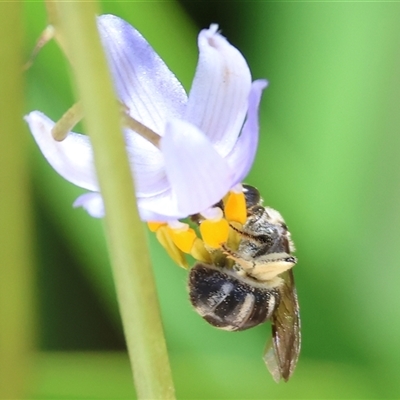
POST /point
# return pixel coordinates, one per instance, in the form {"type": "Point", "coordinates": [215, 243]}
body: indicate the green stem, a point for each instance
{"type": "Point", "coordinates": [126, 236]}
{"type": "Point", "coordinates": [16, 274]}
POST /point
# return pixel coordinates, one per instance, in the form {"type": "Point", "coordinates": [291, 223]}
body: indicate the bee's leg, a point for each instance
{"type": "Point", "coordinates": [246, 263]}
{"type": "Point", "coordinates": [258, 239]}
{"type": "Point", "coordinates": [264, 268]}
{"type": "Point", "coordinates": [268, 267]}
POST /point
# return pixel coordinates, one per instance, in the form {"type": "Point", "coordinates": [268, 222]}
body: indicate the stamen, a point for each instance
{"type": "Point", "coordinates": [213, 213]}
{"type": "Point", "coordinates": [65, 124]}
{"type": "Point", "coordinates": [214, 232]}
{"type": "Point", "coordinates": [183, 238]}
{"type": "Point", "coordinates": [141, 129]}
{"type": "Point", "coordinates": [153, 226]}
{"type": "Point", "coordinates": [164, 237]}
{"type": "Point", "coordinates": [75, 114]}
{"type": "Point", "coordinates": [178, 225]}
{"type": "Point", "coordinates": [44, 38]}
{"type": "Point", "coordinates": [199, 252]}
{"type": "Point", "coordinates": [235, 207]}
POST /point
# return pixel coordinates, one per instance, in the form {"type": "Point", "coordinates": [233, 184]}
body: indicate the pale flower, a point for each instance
{"type": "Point", "coordinates": [208, 139]}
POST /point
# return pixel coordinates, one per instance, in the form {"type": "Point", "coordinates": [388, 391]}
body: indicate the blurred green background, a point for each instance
{"type": "Point", "coordinates": [328, 161]}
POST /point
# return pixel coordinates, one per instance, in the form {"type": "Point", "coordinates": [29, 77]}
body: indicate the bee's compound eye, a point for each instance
{"type": "Point", "coordinates": [252, 196]}
{"type": "Point", "coordinates": [228, 302]}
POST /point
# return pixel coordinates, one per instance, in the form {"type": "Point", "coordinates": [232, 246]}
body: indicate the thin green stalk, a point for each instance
{"type": "Point", "coordinates": [16, 311]}
{"type": "Point", "coordinates": [126, 237]}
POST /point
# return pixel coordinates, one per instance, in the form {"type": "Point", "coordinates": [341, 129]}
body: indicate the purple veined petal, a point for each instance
{"type": "Point", "coordinates": [148, 168]}
{"type": "Point", "coordinates": [72, 158]}
{"type": "Point", "coordinates": [241, 158]}
{"type": "Point", "coordinates": [92, 202]}
{"type": "Point", "coordinates": [198, 175]}
{"type": "Point", "coordinates": [150, 91]}
{"type": "Point", "coordinates": [143, 82]}
{"type": "Point", "coordinates": [160, 208]}
{"type": "Point", "coordinates": [150, 216]}
{"type": "Point", "coordinates": [218, 97]}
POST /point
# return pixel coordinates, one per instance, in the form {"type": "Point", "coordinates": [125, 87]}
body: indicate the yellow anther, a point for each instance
{"type": "Point", "coordinates": [183, 238]}
{"type": "Point", "coordinates": [153, 226]}
{"type": "Point", "coordinates": [214, 232]}
{"type": "Point", "coordinates": [235, 207]}
{"type": "Point", "coordinates": [199, 252]}
{"type": "Point", "coordinates": [164, 237]}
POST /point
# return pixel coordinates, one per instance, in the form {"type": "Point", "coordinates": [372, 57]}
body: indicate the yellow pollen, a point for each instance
{"type": "Point", "coordinates": [199, 252]}
{"type": "Point", "coordinates": [153, 226]}
{"type": "Point", "coordinates": [235, 207]}
{"type": "Point", "coordinates": [214, 232]}
{"type": "Point", "coordinates": [164, 237]}
{"type": "Point", "coordinates": [183, 238]}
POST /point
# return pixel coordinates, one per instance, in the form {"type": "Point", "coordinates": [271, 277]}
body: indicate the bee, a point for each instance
{"type": "Point", "coordinates": [259, 286]}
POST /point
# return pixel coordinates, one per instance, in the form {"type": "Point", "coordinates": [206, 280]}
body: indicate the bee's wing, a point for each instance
{"type": "Point", "coordinates": [282, 351]}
